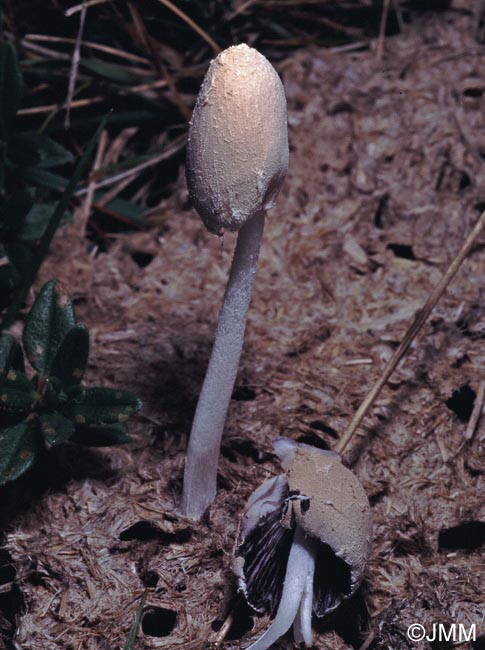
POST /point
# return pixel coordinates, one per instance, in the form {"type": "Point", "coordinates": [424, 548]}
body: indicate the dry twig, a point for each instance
{"type": "Point", "coordinates": [412, 331]}
{"type": "Point", "coordinates": [86, 3]}
{"type": "Point", "coordinates": [86, 211]}
{"type": "Point", "coordinates": [76, 57]}
{"type": "Point", "coordinates": [382, 30]}
{"type": "Point", "coordinates": [210, 41]}
{"type": "Point", "coordinates": [178, 144]}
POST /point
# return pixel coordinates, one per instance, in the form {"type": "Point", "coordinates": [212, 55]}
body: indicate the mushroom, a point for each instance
{"type": "Point", "coordinates": [303, 542]}
{"type": "Point", "coordinates": [304, 538]}
{"type": "Point", "coordinates": [237, 159]}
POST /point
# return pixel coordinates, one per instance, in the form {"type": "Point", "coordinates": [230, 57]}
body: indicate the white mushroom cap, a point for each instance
{"type": "Point", "coordinates": [339, 514]}
{"type": "Point", "coordinates": [237, 154]}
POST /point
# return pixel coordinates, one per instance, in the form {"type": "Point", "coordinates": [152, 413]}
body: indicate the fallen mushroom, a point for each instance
{"type": "Point", "coordinates": [304, 541]}
{"type": "Point", "coordinates": [305, 536]}
{"type": "Point", "coordinates": [237, 158]}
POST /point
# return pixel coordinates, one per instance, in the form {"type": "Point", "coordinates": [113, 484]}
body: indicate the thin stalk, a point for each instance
{"type": "Point", "coordinates": [200, 474]}
{"type": "Point", "coordinates": [302, 625]}
{"type": "Point", "coordinates": [299, 573]}
{"type": "Point", "coordinates": [413, 329]}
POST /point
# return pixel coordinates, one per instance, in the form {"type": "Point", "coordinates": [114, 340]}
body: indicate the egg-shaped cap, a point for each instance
{"type": "Point", "coordinates": [237, 153]}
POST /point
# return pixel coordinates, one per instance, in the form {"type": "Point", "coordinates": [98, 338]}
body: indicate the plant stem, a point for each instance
{"type": "Point", "coordinates": [200, 474]}
{"type": "Point", "coordinates": [413, 329]}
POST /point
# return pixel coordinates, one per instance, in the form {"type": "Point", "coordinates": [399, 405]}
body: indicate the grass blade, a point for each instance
{"type": "Point", "coordinates": [130, 643]}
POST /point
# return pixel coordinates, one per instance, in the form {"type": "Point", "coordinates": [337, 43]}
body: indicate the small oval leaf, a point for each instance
{"type": "Point", "coordinates": [17, 395]}
{"type": "Point", "coordinates": [102, 405]}
{"type": "Point", "coordinates": [71, 359]}
{"type": "Point", "coordinates": [17, 450]}
{"type": "Point", "coordinates": [56, 428]}
{"type": "Point", "coordinates": [11, 355]}
{"type": "Point", "coordinates": [47, 324]}
{"type": "Point", "coordinates": [51, 153]}
{"type": "Point", "coordinates": [37, 220]}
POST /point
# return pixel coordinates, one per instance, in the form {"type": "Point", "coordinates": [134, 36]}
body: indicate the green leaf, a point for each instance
{"type": "Point", "coordinates": [7, 342]}
{"type": "Point", "coordinates": [14, 211]}
{"type": "Point", "coordinates": [17, 395]}
{"type": "Point", "coordinates": [106, 405]}
{"type": "Point", "coordinates": [11, 355]}
{"type": "Point", "coordinates": [47, 324]}
{"type": "Point", "coordinates": [110, 71]}
{"type": "Point", "coordinates": [7, 282]}
{"type": "Point", "coordinates": [44, 178]}
{"type": "Point", "coordinates": [130, 642]}
{"type": "Point", "coordinates": [17, 450]}
{"type": "Point", "coordinates": [101, 435]}
{"type": "Point", "coordinates": [71, 359]}
{"type": "Point", "coordinates": [51, 153]}
{"type": "Point", "coordinates": [53, 398]}
{"type": "Point", "coordinates": [37, 149]}
{"type": "Point", "coordinates": [68, 193]}
{"type": "Point", "coordinates": [37, 220]}
{"type": "Point", "coordinates": [56, 428]}
{"type": "Point", "coordinates": [11, 87]}
{"type": "Point", "coordinates": [128, 211]}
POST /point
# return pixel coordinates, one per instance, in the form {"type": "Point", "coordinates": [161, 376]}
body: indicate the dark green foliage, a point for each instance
{"type": "Point", "coordinates": [53, 407]}
{"type": "Point", "coordinates": [107, 405]}
{"type": "Point", "coordinates": [28, 216]}
{"type": "Point", "coordinates": [71, 358]}
{"type": "Point", "coordinates": [17, 395]}
{"type": "Point", "coordinates": [24, 260]}
{"type": "Point", "coordinates": [56, 428]}
{"type": "Point", "coordinates": [11, 355]}
{"type": "Point", "coordinates": [47, 325]}
{"type": "Point", "coordinates": [18, 449]}
{"type": "Point", "coordinates": [130, 642]}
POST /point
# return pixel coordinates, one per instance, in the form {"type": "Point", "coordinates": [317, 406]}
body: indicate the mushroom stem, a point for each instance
{"type": "Point", "coordinates": [201, 462]}
{"type": "Point", "coordinates": [295, 595]}
{"type": "Point", "coordinates": [302, 627]}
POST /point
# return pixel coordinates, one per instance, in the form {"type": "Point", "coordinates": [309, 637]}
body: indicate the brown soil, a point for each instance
{"type": "Point", "coordinates": [387, 177]}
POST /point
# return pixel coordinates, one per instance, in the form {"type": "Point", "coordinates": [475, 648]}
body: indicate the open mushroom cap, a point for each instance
{"type": "Point", "coordinates": [326, 501]}
{"type": "Point", "coordinates": [339, 513]}
{"type": "Point", "coordinates": [237, 153]}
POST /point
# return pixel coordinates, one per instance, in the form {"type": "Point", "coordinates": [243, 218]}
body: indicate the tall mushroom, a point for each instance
{"type": "Point", "coordinates": [237, 159]}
